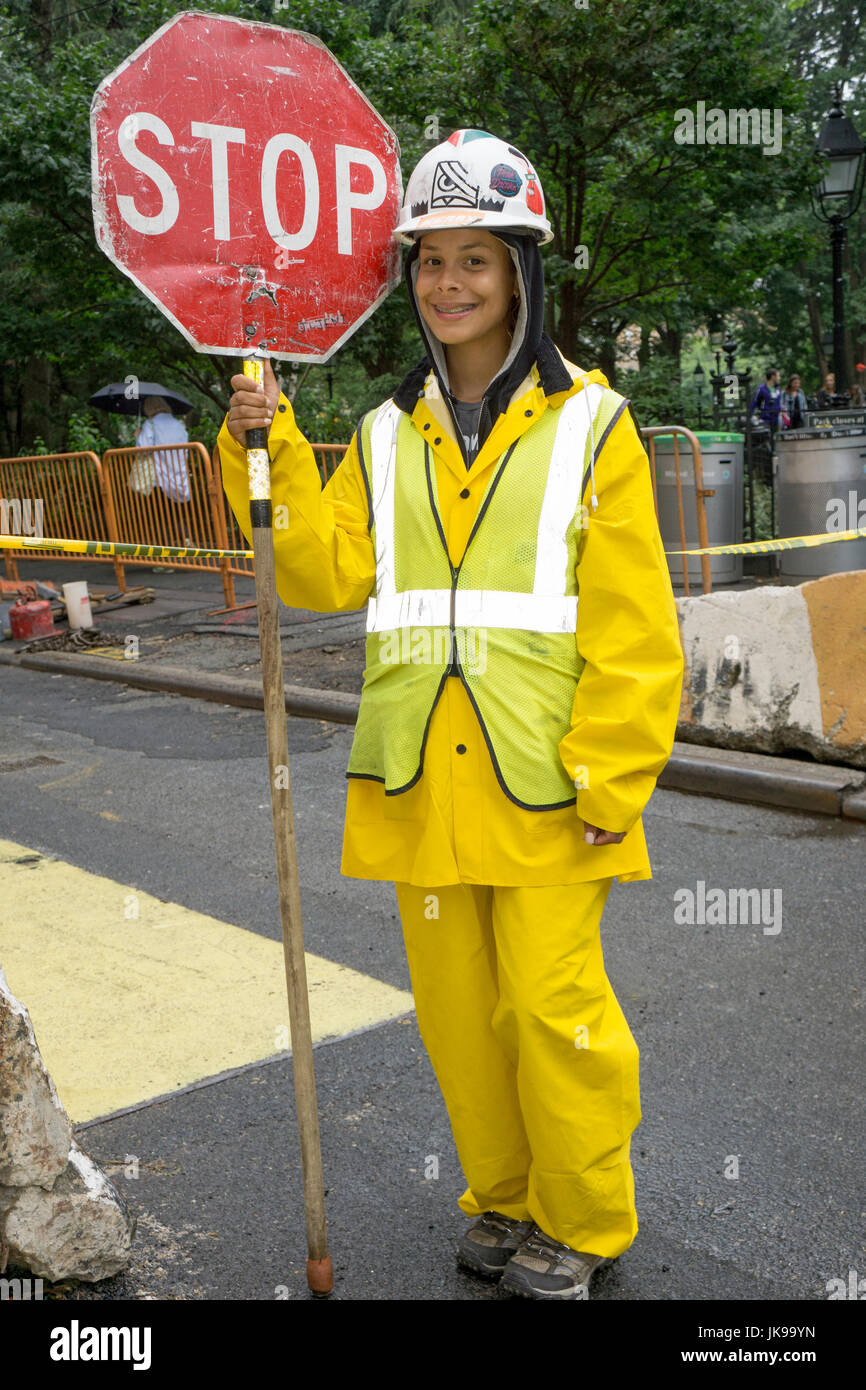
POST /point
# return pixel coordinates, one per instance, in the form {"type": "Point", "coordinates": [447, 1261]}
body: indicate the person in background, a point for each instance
{"type": "Point", "coordinates": [168, 470]}
{"type": "Point", "coordinates": [794, 402]}
{"type": "Point", "coordinates": [827, 392]}
{"type": "Point", "coordinates": [767, 400]}
{"type": "Point", "coordinates": [858, 391]}
{"type": "Point", "coordinates": [161, 427]}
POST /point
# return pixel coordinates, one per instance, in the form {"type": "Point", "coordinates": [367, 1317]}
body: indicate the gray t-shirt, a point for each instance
{"type": "Point", "coordinates": [468, 417]}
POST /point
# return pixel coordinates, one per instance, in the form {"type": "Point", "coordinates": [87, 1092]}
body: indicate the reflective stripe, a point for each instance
{"type": "Point", "coordinates": [473, 608]}
{"type": "Point", "coordinates": [411, 608]}
{"type": "Point", "coordinates": [499, 608]}
{"type": "Point", "coordinates": [591, 412]}
{"type": "Point", "coordinates": [383, 467]}
{"type": "Point", "coordinates": [548, 608]}
{"type": "Point", "coordinates": [562, 493]}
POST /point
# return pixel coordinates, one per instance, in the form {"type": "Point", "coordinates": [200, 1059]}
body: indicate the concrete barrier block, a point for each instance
{"type": "Point", "coordinates": [776, 670]}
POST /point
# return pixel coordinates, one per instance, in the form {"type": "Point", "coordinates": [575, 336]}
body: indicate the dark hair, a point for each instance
{"type": "Point", "coordinates": [771, 371]}
{"type": "Point", "coordinates": [795, 376]}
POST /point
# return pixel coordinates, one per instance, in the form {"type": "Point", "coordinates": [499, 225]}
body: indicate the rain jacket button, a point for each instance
{"type": "Point", "coordinates": [461, 748]}
{"type": "Point", "coordinates": [527, 413]}
{"type": "Point", "coordinates": [427, 426]}
{"type": "Point", "coordinates": [438, 439]}
{"type": "Point", "coordinates": [465, 492]}
{"type": "Point", "coordinates": [281, 407]}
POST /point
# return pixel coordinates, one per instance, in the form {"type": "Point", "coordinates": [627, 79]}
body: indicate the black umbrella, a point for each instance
{"type": "Point", "coordinates": [115, 398]}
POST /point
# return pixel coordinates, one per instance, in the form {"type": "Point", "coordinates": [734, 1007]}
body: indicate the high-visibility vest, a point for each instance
{"type": "Point", "coordinates": [503, 619]}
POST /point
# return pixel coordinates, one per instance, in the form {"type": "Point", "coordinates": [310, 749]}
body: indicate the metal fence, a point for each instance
{"type": "Point", "coordinates": [74, 502]}
{"type": "Point", "coordinates": [649, 435]}
{"type": "Point", "coordinates": [188, 510]}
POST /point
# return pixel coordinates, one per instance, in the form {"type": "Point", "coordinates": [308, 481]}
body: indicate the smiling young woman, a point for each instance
{"type": "Point", "coordinates": [497, 776]}
{"type": "Point", "coordinates": [467, 293]}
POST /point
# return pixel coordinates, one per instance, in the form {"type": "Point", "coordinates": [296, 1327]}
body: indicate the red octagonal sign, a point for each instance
{"type": "Point", "coordinates": [247, 186]}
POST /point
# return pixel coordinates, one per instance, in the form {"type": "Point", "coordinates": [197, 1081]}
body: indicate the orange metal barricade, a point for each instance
{"type": "Point", "coordinates": [152, 517]}
{"type": "Point", "coordinates": [233, 536]}
{"type": "Point", "coordinates": [74, 500]}
{"type": "Point", "coordinates": [328, 458]}
{"type": "Point", "coordinates": [701, 492]}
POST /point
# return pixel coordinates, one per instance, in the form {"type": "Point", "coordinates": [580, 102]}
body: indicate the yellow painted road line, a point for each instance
{"type": "Point", "coordinates": [133, 998]}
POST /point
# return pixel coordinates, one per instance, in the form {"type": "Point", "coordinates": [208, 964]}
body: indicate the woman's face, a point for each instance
{"type": "Point", "coordinates": [795, 383]}
{"type": "Point", "coordinates": [465, 284]}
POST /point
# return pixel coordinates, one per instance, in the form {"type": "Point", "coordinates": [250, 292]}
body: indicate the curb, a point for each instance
{"type": "Point", "coordinates": [334, 705]}
{"type": "Point", "coordinates": [818, 788]}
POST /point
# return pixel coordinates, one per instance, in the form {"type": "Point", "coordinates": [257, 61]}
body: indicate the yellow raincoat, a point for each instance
{"type": "Point", "coordinates": [535, 1059]}
{"type": "Point", "coordinates": [456, 825]}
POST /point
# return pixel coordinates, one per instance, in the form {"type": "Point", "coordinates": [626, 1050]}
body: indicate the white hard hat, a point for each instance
{"type": "Point", "coordinates": [473, 180]}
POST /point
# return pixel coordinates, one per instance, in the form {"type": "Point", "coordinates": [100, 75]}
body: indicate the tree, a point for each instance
{"type": "Point", "coordinates": [647, 231]}
{"type": "Point", "coordinates": [591, 95]}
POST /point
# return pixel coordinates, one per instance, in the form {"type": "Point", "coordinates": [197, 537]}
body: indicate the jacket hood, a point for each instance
{"type": "Point", "coordinates": [529, 345]}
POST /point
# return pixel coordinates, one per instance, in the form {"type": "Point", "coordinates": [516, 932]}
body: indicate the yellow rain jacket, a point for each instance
{"type": "Point", "coordinates": [456, 824]}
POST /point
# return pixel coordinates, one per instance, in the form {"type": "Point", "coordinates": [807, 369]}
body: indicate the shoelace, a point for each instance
{"type": "Point", "coordinates": [508, 1222]}
{"type": "Point", "coordinates": [545, 1245]}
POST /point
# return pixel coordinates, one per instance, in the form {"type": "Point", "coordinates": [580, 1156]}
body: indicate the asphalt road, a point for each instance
{"type": "Point", "coordinates": [751, 1041]}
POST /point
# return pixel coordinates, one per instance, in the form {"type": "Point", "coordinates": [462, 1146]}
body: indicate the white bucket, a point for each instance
{"type": "Point", "coordinates": [78, 604]}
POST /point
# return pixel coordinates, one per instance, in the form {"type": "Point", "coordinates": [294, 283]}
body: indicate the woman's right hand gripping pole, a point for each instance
{"type": "Point", "coordinates": [251, 407]}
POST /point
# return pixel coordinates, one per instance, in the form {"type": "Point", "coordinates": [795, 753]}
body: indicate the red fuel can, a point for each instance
{"type": "Point", "coordinates": [31, 620]}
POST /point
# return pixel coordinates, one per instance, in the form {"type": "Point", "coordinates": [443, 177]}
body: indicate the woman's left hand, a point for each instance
{"type": "Point", "coordinates": [596, 836]}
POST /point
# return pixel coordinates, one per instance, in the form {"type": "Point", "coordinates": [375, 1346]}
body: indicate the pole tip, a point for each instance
{"type": "Point", "coordinates": [320, 1276]}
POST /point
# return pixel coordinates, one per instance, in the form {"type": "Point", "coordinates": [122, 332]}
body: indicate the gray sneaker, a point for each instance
{"type": "Point", "coordinates": [487, 1246]}
{"type": "Point", "coordinates": [546, 1268]}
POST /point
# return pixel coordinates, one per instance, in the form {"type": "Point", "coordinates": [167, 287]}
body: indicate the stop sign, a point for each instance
{"type": "Point", "coordinates": [247, 186]}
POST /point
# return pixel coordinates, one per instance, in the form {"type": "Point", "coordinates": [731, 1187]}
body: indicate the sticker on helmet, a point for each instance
{"type": "Point", "coordinates": [534, 200]}
{"type": "Point", "coordinates": [505, 179]}
{"type": "Point", "coordinates": [452, 186]}
{"type": "Point", "coordinates": [462, 137]}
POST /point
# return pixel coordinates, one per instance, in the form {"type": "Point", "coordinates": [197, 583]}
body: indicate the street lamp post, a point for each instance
{"type": "Point", "coordinates": [737, 389]}
{"type": "Point", "coordinates": [838, 198]}
{"type": "Point", "coordinates": [699, 374]}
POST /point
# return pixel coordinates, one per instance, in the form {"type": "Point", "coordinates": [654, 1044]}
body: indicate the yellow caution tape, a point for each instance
{"type": "Point", "coordinates": [188, 552]}
{"type": "Point", "coordinates": [144, 552]}
{"type": "Point", "coordinates": [784, 543]}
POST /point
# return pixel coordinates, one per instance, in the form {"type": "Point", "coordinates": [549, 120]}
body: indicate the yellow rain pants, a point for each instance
{"type": "Point", "coordinates": [532, 1052]}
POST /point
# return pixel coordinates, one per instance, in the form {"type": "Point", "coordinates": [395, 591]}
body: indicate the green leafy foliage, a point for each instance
{"type": "Point", "coordinates": [678, 236]}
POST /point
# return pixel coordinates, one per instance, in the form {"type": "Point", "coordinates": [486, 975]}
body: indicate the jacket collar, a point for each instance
{"type": "Point", "coordinates": [553, 375]}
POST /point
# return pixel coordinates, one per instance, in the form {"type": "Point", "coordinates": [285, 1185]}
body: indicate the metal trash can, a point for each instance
{"type": "Point", "coordinates": [722, 464]}
{"type": "Point", "coordinates": [820, 481]}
